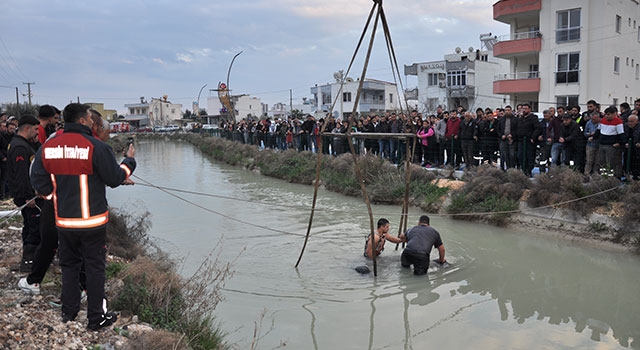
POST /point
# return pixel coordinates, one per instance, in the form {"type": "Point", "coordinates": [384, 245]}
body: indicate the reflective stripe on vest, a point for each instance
{"type": "Point", "coordinates": [90, 222]}
{"type": "Point", "coordinates": [126, 170]}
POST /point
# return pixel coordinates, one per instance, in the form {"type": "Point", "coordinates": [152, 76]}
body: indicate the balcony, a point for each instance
{"type": "Point", "coordinates": [461, 91]}
{"type": "Point", "coordinates": [513, 83]}
{"type": "Point", "coordinates": [518, 44]}
{"type": "Point", "coordinates": [506, 10]}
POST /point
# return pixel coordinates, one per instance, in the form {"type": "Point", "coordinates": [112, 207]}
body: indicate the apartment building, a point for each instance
{"type": "Point", "coordinates": [376, 96]}
{"type": "Point", "coordinates": [463, 78]}
{"type": "Point", "coordinates": [566, 52]}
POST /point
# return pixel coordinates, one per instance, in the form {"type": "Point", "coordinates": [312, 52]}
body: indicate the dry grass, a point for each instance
{"type": "Point", "coordinates": [157, 339]}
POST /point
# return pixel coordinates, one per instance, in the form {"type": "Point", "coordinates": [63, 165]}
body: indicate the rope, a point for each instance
{"type": "Point", "coordinates": [318, 161]}
{"type": "Point", "coordinates": [356, 166]}
{"type": "Point", "coordinates": [533, 209]}
{"type": "Point", "coordinates": [14, 212]}
{"type": "Point", "coordinates": [213, 211]}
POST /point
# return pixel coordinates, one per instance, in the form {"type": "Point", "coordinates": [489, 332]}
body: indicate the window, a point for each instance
{"type": "Point", "coordinates": [484, 58]}
{"type": "Point", "coordinates": [173, 111]}
{"type": "Point", "coordinates": [346, 97]}
{"type": "Point", "coordinates": [568, 26]}
{"type": "Point", "coordinates": [326, 98]}
{"type": "Point", "coordinates": [533, 71]}
{"type": "Point", "coordinates": [570, 100]}
{"type": "Point", "coordinates": [568, 68]}
{"type": "Point", "coordinates": [433, 79]}
{"type": "Point", "coordinates": [618, 23]}
{"type": "Point", "coordinates": [637, 71]}
{"type": "Point", "coordinates": [616, 65]}
{"type": "Point", "coordinates": [456, 78]}
{"type": "Point", "coordinates": [390, 98]}
{"type": "Point", "coordinates": [615, 102]}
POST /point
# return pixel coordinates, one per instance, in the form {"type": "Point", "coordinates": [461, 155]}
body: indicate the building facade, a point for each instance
{"type": "Point", "coordinates": [107, 114]}
{"type": "Point", "coordinates": [376, 97]}
{"type": "Point", "coordinates": [158, 112]}
{"type": "Point", "coordinates": [463, 78]}
{"type": "Point", "coordinates": [566, 52]}
{"type": "Point", "coordinates": [245, 106]}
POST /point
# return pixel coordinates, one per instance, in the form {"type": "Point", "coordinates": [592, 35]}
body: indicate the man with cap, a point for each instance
{"type": "Point", "coordinates": [46, 250]}
{"type": "Point", "coordinates": [19, 156]}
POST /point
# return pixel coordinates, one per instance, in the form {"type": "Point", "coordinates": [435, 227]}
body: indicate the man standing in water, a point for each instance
{"type": "Point", "coordinates": [419, 240]}
{"type": "Point", "coordinates": [379, 237]}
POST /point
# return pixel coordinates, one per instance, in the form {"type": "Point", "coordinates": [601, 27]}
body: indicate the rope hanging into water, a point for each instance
{"type": "Point", "coordinates": [348, 132]}
{"type": "Point", "coordinates": [380, 17]}
{"type": "Point", "coordinates": [515, 211]}
{"type": "Point", "coordinates": [213, 211]}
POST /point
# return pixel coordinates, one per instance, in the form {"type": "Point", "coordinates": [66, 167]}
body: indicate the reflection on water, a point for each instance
{"type": "Point", "coordinates": [505, 289]}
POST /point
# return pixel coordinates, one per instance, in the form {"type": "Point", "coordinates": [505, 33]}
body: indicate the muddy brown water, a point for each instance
{"type": "Point", "coordinates": [505, 289]}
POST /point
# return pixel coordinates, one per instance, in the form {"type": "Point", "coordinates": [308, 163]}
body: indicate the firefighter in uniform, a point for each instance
{"type": "Point", "coordinates": [19, 157]}
{"type": "Point", "coordinates": [74, 168]}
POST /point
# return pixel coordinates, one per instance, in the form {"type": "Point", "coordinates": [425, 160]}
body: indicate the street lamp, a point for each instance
{"type": "Point", "coordinates": [233, 112]}
{"type": "Point", "coordinates": [198, 113]}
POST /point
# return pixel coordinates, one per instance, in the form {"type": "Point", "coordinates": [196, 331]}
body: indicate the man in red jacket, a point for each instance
{"type": "Point", "coordinates": [74, 168]}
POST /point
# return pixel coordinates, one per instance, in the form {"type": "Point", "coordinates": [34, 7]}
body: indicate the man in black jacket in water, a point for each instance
{"type": "Point", "coordinates": [419, 240]}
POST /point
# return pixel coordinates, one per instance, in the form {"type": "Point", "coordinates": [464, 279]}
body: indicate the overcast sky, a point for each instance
{"type": "Point", "coordinates": [116, 51]}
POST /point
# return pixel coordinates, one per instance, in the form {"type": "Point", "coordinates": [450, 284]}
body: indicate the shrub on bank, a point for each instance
{"type": "Point", "coordinates": [290, 165]}
{"type": "Point", "coordinates": [489, 190]}
{"type": "Point", "coordinates": [152, 289]}
{"type": "Point", "coordinates": [562, 184]}
{"type": "Point", "coordinates": [385, 182]}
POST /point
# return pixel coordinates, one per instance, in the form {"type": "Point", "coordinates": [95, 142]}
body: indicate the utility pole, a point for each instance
{"type": "Point", "coordinates": [291, 103]}
{"type": "Point", "coordinates": [18, 102]}
{"type": "Point", "coordinates": [29, 91]}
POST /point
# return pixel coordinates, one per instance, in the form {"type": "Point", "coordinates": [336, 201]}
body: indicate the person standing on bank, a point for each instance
{"type": "Point", "coordinates": [74, 167]}
{"type": "Point", "coordinates": [48, 231]}
{"type": "Point", "coordinates": [19, 156]}
{"type": "Point", "coordinates": [419, 240]}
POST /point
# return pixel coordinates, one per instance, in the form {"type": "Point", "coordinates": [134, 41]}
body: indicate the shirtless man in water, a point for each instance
{"type": "Point", "coordinates": [380, 237]}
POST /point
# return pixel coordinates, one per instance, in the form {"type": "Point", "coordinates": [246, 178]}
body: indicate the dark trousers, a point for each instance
{"type": "Point", "coordinates": [31, 225]}
{"type": "Point", "coordinates": [48, 243]}
{"type": "Point", "coordinates": [420, 261]}
{"type": "Point", "coordinates": [75, 247]}
{"type": "Point", "coordinates": [527, 155]}
{"type": "Point", "coordinates": [467, 152]}
{"type": "Point", "coordinates": [3, 179]}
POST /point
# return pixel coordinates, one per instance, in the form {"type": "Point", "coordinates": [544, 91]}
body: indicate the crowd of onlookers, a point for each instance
{"type": "Point", "coordinates": [591, 141]}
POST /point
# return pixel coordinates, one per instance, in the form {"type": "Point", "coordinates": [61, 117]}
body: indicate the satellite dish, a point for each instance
{"type": "Point", "coordinates": [470, 48]}
{"type": "Point", "coordinates": [458, 50]}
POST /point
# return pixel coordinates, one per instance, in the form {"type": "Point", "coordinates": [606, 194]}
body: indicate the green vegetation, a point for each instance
{"type": "Point", "coordinates": [486, 190]}
{"type": "Point", "coordinates": [385, 183]}
{"type": "Point", "coordinates": [489, 189]}
{"type": "Point", "coordinates": [180, 309]}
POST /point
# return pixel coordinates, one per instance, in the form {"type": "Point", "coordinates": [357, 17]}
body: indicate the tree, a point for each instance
{"type": "Point", "coordinates": [296, 113]}
{"type": "Point", "coordinates": [203, 112]}
{"type": "Point", "coordinates": [188, 115]}
{"type": "Point", "coordinates": [20, 110]}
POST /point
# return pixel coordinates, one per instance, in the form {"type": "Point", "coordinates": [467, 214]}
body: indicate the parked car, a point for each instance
{"type": "Point", "coordinates": [144, 129]}
{"type": "Point", "coordinates": [209, 126]}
